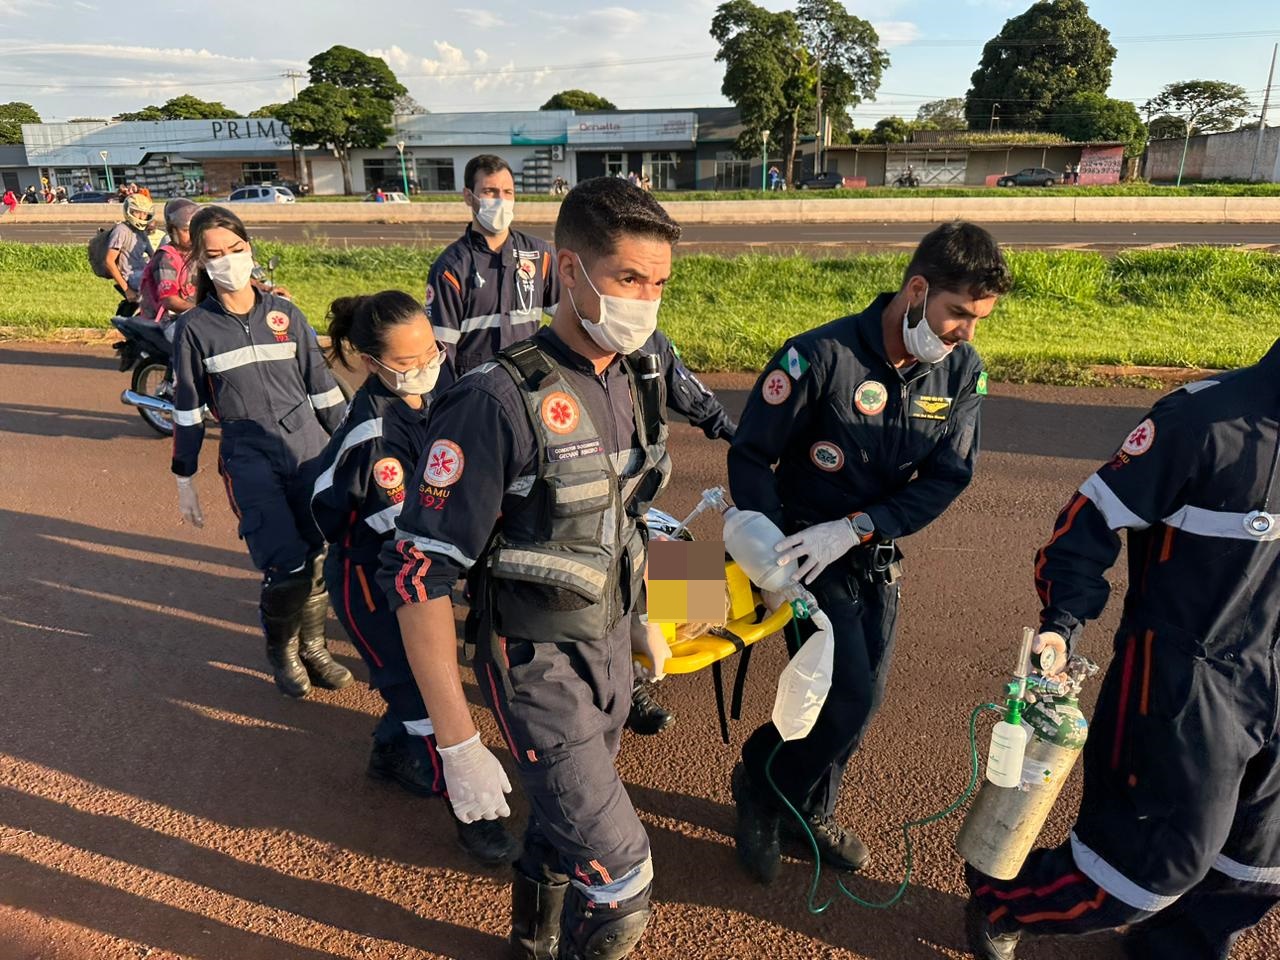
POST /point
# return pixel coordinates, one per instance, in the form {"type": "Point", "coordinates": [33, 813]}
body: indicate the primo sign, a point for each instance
{"type": "Point", "coordinates": [249, 130]}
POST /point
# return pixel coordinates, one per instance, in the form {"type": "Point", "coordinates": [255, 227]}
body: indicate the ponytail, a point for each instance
{"type": "Point", "coordinates": [359, 324]}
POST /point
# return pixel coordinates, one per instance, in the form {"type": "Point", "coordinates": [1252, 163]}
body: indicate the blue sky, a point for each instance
{"type": "Point", "coordinates": [79, 58]}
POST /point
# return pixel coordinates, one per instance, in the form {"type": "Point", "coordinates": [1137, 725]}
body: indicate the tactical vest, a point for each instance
{"type": "Point", "coordinates": [569, 563]}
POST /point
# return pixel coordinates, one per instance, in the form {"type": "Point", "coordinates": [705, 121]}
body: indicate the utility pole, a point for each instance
{"type": "Point", "coordinates": [992, 125]}
{"type": "Point", "coordinates": [1262, 120]}
{"type": "Point", "coordinates": [817, 142]}
{"type": "Point", "coordinates": [293, 76]}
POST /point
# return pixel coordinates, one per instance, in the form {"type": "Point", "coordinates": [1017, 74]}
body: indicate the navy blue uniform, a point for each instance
{"type": "Point", "coordinates": [262, 376]}
{"type": "Point", "coordinates": [849, 432]}
{"type": "Point", "coordinates": [686, 394]}
{"type": "Point", "coordinates": [479, 300]}
{"type": "Point", "coordinates": [364, 475]}
{"type": "Point", "coordinates": [560, 704]}
{"type": "Point", "coordinates": [1181, 808]}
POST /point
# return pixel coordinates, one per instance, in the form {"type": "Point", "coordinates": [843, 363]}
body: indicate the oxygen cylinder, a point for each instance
{"type": "Point", "coordinates": [1004, 822]}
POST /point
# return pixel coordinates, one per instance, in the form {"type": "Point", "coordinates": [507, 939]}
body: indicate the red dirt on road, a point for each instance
{"type": "Point", "coordinates": [159, 798]}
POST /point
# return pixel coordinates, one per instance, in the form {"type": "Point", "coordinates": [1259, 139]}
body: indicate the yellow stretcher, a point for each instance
{"type": "Point", "coordinates": [696, 646]}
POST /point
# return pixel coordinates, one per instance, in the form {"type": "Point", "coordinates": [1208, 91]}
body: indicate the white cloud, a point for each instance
{"type": "Point", "coordinates": [21, 8]}
{"type": "Point", "coordinates": [184, 56]}
{"type": "Point", "coordinates": [897, 33]}
{"type": "Point", "coordinates": [485, 20]}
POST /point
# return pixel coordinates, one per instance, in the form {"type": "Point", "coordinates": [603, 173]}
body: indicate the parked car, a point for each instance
{"type": "Point", "coordinates": [827, 180]}
{"type": "Point", "coordinates": [261, 194]}
{"type": "Point", "coordinates": [1030, 177]}
{"type": "Point", "coordinates": [388, 196]}
{"type": "Point", "coordinates": [92, 196]}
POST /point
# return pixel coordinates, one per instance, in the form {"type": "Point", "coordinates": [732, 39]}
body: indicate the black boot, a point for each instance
{"type": "Point", "coordinates": [647, 717]}
{"type": "Point", "coordinates": [396, 760]}
{"type": "Point", "coordinates": [323, 670]}
{"type": "Point", "coordinates": [535, 918]}
{"type": "Point", "coordinates": [280, 611]}
{"type": "Point", "coordinates": [985, 943]}
{"type": "Point", "coordinates": [487, 841]}
{"type": "Point", "coordinates": [838, 847]}
{"type": "Point", "coordinates": [756, 833]}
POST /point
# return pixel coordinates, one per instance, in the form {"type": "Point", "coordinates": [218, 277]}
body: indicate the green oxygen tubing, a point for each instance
{"type": "Point", "coordinates": [974, 772]}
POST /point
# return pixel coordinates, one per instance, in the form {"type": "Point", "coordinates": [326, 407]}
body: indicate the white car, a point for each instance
{"type": "Point", "coordinates": [262, 195]}
{"type": "Point", "coordinates": [387, 197]}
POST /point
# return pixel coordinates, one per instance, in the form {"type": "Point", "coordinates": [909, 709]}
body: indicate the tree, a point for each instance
{"type": "Point", "coordinates": [1207, 106]}
{"type": "Point", "coordinates": [405, 106]}
{"type": "Point", "coordinates": [890, 130]}
{"type": "Point", "coordinates": [1204, 106]}
{"type": "Point", "coordinates": [267, 111]}
{"type": "Point", "coordinates": [847, 58]}
{"type": "Point", "coordinates": [184, 107]}
{"type": "Point", "coordinates": [12, 116]}
{"type": "Point", "coordinates": [347, 106]}
{"type": "Point", "coordinates": [945, 114]}
{"type": "Point", "coordinates": [1094, 116]}
{"type": "Point", "coordinates": [772, 65]}
{"type": "Point", "coordinates": [1037, 60]}
{"type": "Point", "coordinates": [577, 100]}
{"type": "Point", "coordinates": [1166, 127]}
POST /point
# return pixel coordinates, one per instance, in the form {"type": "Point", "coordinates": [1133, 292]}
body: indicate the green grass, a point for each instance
{"type": "Point", "coordinates": [1192, 307]}
{"type": "Point", "coordinates": [889, 193]}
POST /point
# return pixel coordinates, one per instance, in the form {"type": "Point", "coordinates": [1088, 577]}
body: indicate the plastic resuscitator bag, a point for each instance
{"type": "Point", "coordinates": [805, 682]}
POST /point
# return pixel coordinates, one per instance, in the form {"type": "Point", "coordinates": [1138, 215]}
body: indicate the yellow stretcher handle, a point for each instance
{"type": "Point", "coordinates": [698, 653]}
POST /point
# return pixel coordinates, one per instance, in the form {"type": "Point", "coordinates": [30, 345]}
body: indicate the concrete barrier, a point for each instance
{"type": "Point", "coordinates": [925, 209]}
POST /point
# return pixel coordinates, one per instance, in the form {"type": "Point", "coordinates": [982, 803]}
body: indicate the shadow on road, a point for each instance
{"type": "Point", "coordinates": [38, 421]}
{"type": "Point", "coordinates": [61, 358]}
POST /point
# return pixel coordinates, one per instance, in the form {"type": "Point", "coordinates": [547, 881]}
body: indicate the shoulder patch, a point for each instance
{"type": "Point", "coordinates": [444, 464]}
{"type": "Point", "coordinates": [776, 387]}
{"type": "Point", "coordinates": [1140, 441]}
{"type": "Point", "coordinates": [981, 388]}
{"type": "Point", "coordinates": [388, 474]}
{"type": "Point", "coordinates": [796, 364]}
{"type": "Point", "coordinates": [870, 397]}
{"type": "Point", "coordinates": [278, 321]}
{"type": "Point", "coordinates": [431, 295]}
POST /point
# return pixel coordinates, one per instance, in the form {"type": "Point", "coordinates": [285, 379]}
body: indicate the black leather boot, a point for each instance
{"type": "Point", "coordinates": [323, 670]}
{"type": "Point", "coordinates": [985, 943]}
{"type": "Point", "coordinates": [535, 917]}
{"type": "Point", "coordinates": [647, 716]}
{"type": "Point", "coordinates": [280, 610]}
{"type": "Point", "coordinates": [488, 842]}
{"type": "Point", "coordinates": [756, 832]}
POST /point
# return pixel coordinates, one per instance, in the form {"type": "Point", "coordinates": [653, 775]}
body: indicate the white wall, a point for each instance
{"type": "Point", "coordinates": [514, 155]}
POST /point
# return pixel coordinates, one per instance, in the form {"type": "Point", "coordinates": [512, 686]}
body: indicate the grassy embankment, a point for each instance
{"type": "Point", "coordinates": [1070, 310]}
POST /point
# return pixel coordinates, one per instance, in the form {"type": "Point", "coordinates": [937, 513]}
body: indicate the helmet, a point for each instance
{"type": "Point", "coordinates": [138, 211]}
{"type": "Point", "coordinates": [179, 211]}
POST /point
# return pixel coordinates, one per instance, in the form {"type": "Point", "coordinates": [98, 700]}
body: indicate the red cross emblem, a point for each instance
{"type": "Point", "coordinates": [560, 412]}
{"type": "Point", "coordinates": [776, 387]}
{"type": "Point", "coordinates": [444, 463]}
{"type": "Point", "coordinates": [388, 474]}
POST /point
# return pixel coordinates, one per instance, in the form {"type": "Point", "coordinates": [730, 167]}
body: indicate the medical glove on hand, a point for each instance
{"type": "Point", "coordinates": [475, 780]}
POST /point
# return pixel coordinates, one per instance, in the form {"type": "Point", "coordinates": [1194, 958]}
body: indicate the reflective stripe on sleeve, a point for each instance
{"type": "Point", "coordinates": [330, 398]}
{"type": "Point", "coordinates": [369, 430]}
{"type": "Point", "coordinates": [1112, 508]}
{"type": "Point", "coordinates": [1114, 882]}
{"type": "Point", "coordinates": [189, 418]}
{"type": "Point", "coordinates": [1241, 871]}
{"type": "Point", "coordinates": [384, 521]}
{"type": "Point", "coordinates": [427, 545]}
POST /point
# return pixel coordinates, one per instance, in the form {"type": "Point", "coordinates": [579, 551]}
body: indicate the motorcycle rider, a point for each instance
{"type": "Point", "coordinates": [250, 359]}
{"type": "Point", "coordinates": [129, 248]}
{"type": "Point", "coordinates": [167, 289]}
{"type": "Point", "coordinates": [356, 499]}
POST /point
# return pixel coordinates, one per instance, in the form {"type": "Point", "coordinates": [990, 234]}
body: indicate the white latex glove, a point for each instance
{"type": "Point", "coordinates": [189, 502]}
{"type": "Point", "coordinates": [1057, 645]}
{"type": "Point", "coordinates": [776, 599]}
{"type": "Point", "coordinates": [476, 781]}
{"type": "Point", "coordinates": [820, 545]}
{"type": "Point", "coordinates": [647, 638]}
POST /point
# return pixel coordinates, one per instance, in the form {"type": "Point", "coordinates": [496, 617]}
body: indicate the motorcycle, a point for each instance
{"type": "Point", "coordinates": [907, 179]}
{"type": "Point", "coordinates": [147, 350]}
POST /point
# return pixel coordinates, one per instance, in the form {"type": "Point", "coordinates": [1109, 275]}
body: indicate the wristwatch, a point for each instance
{"type": "Point", "coordinates": [863, 527]}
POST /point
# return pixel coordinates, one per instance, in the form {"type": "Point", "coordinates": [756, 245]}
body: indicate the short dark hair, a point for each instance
{"type": "Point", "coordinates": [597, 212]}
{"type": "Point", "coordinates": [961, 257]}
{"type": "Point", "coordinates": [486, 163]}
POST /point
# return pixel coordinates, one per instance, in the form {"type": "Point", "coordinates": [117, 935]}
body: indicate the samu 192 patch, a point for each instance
{"type": "Point", "coordinates": [930, 408]}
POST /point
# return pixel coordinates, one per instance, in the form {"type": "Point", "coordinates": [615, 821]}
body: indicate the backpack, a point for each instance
{"type": "Point", "coordinates": [99, 244]}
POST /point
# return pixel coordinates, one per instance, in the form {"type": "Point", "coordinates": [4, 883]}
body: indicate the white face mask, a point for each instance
{"type": "Point", "coordinates": [624, 324]}
{"type": "Point", "coordinates": [495, 214]}
{"type": "Point", "coordinates": [417, 381]}
{"type": "Point", "coordinates": [231, 271]}
{"type": "Point", "coordinates": [921, 342]}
